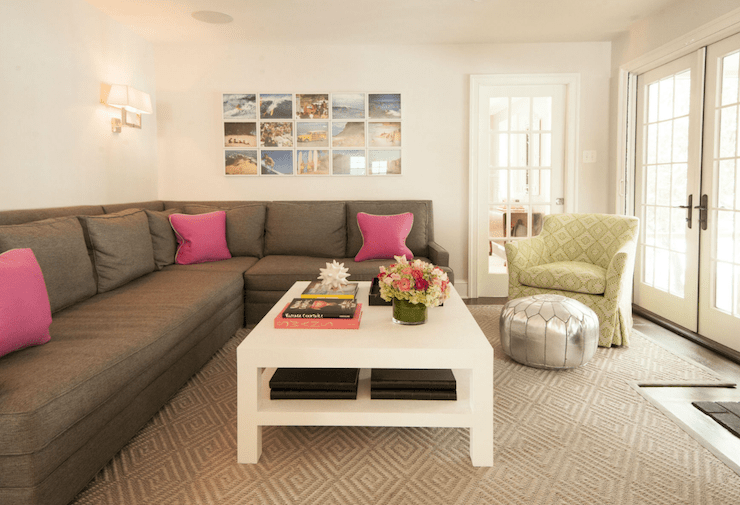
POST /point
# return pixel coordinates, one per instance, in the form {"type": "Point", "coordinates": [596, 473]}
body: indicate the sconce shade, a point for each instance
{"type": "Point", "coordinates": [131, 99]}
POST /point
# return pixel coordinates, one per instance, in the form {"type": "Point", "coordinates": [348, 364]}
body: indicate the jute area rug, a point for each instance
{"type": "Point", "coordinates": [581, 436]}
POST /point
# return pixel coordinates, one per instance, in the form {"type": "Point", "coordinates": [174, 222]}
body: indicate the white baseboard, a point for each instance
{"type": "Point", "coordinates": [462, 288]}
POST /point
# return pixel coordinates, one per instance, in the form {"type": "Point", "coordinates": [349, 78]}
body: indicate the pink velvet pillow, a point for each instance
{"type": "Point", "coordinates": [25, 314]}
{"type": "Point", "coordinates": [200, 238]}
{"type": "Point", "coordinates": [384, 237]}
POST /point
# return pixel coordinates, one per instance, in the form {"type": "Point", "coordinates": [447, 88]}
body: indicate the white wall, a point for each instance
{"type": "Point", "coordinates": [434, 82]}
{"type": "Point", "coordinates": [56, 144]}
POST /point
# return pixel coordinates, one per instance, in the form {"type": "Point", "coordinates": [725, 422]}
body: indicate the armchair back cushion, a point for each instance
{"type": "Point", "coordinates": [588, 238]}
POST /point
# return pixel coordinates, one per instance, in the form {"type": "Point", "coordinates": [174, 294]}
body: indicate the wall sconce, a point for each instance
{"type": "Point", "coordinates": [132, 102]}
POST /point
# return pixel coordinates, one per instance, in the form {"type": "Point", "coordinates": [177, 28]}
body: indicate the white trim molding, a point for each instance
{"type": "Point", "coordinates": [572, 84]}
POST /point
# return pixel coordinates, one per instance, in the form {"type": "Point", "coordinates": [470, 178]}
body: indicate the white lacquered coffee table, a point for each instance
{"type": "Point", "coordinates": [450, 339]}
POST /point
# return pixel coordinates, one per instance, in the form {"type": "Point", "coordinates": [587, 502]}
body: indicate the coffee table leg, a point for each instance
{"type": "Point", "coordinates": [481, 431]}
{"type": "Point", "coordinates": [248, 433]}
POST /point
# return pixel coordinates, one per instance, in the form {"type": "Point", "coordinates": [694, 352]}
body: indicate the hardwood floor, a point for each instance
{"type": "Point", "coordinates": [677, 344]}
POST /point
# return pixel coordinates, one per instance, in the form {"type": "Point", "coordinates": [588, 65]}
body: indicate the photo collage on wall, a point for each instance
{"type": "Point", "coordinates": [312, 134]}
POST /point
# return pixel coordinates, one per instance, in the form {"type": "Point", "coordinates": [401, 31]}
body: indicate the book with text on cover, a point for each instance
{"type": "Point", "coordinates": [320, 308]}
{"type": "Point", "coordinates": [320, 323]}
{"type": "Point", "coordinates": [318, 290]}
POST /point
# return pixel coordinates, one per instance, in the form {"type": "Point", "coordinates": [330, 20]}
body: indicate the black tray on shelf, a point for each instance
{"type": "Point", "coordinates": [374, 297]}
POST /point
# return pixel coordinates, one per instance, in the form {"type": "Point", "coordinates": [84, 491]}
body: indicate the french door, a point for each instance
{"type": "Point", "coordinates": [687, 193]}
{"type": "Point", "coordinates": [667, 185]}
{"type": "Point", "coordinates": [719, 290]}
{"type": "Point", "coordinates": [520, 174]}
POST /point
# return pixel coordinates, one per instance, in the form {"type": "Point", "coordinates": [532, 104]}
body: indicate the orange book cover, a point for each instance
{"type": "Point", "coordinates": [321, 324]}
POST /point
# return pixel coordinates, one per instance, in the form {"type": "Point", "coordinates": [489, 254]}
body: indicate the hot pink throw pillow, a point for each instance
{"type": "Point", "coordinates": [200, 238]}
{"type": "Point", "coordinates": [25, 314]}
{"type": "Point", "coordinates": [384, 237]}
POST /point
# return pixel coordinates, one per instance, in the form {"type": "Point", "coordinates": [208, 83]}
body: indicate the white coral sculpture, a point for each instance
{"type": "Point", "coordinates": [334, 275]}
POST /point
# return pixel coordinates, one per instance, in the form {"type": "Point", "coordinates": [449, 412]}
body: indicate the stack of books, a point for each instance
{"type": "Point", "coordinates": [314, 384]}
{"type": "Point", "coordinates": [322, 308]}
{"type": "Point", "coordinates": [412, 384]}
{"type": "Point", "coordinates": [318, 290]}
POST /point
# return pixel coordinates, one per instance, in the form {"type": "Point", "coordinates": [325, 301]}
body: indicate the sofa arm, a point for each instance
{"type": "Point", "coordinates": [438, 255]}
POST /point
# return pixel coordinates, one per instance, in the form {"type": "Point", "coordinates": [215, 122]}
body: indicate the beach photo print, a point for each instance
{"type": "Point", "coordinates": [239, 106]}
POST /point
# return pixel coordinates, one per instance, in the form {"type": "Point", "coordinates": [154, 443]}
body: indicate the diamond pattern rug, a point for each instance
{"type": "Point", "coordinates": [580, 436]}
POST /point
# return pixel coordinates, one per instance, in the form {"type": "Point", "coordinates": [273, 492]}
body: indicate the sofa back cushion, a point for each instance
{"type": "Point", "coordinates": [164, 242]}
{"type": "Point", "coordinates": [245, 227]}
{"type": "Point", "coordinates": [59, 247]}
{"type": "Point", "coordinates": [417, 239]}
{"type": "Point", "coordinates": [315, 229]}
{"type": "Point", "coordinates": [122, 247]}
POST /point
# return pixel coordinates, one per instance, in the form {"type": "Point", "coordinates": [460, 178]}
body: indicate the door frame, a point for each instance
{"type": "Point", "coordinates": [572, 84]}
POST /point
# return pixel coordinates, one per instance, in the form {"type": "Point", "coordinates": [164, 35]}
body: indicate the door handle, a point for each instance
{"type": "Point", "coordinates": [689, 210]}
{"type": "Point", "coordinates": [703, 211]}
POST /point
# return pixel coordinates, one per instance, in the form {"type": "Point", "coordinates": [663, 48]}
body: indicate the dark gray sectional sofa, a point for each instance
{"type": "Point", "coordinates": [120, 347]}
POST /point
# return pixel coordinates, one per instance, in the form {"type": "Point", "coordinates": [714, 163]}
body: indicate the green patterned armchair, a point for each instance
{"type": "Point", "coordinates": [588, 257]}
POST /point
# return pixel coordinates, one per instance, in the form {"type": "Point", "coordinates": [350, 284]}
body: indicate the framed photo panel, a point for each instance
{"type": "Point", "coordinates": [240, 106]}
{"type": "Point", "coordinates": [312, 106]}
{"type": "Point", "coordinates": [384, 134]}
{"type": "Point", "coordinates": [349, 162]}
{"type": "Point", "coordinates": [276, 162]}
{"type": "Point", "coordinates": [385, 162]}
{"type": "Point", "coordinates": [312, 134]}
{"type": "Point", "coordinates": [241, 162]}
{"type": "Point", "coordinates": [319, 133]}
{"type": "Point", "coordinates": [276, 106]}
{"type": "Point", "coordinates": [348, 134]}
{"type": "Point", "coordinates": [276, 134]}
{"type": "Point", "coordinates": [313, 162]}
{"type": "Point", "coordinates": [384, 105]}
{"type": "Point", "coordinates": [242, 134]}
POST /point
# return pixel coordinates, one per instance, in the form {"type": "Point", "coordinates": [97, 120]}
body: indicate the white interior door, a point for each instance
{"type": "Point", "coordinates": [667, 187]}
{"type": "Point", "coordinates": [521, 146]}
{"type": "Point", "coordinates": [719, 289]}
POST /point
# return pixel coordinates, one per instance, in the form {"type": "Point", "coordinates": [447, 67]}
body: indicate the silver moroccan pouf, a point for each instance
{"type": "Point", "coordinates": [549, 331]}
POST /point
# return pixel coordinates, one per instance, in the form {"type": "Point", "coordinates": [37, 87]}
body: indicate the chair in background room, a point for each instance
{"type": "Point", "coordinates": [588, 257]}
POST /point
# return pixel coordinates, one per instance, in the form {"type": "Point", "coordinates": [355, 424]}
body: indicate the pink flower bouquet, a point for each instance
{"type": "Point", "coordinates": [418, 282]}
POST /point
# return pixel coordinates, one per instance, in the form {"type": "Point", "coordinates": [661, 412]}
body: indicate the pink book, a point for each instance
{"type": "Point", "coordinates": [322, 324]}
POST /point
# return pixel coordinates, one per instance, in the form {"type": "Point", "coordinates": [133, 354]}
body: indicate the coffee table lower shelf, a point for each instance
{"type": "Point", "coordinates": [366, 412]}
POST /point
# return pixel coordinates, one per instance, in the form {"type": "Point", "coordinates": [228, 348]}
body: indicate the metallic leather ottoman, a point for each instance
{"type": "Point", "coordinates": [549, 331]}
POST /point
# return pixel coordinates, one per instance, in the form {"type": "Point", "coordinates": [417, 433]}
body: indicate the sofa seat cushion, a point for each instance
{"type": "Point", "coordinates": [279, 273]}
{"type": "Point", "coordinates": [575, 276]}
{"type": "Point", "coordinates": [96, 348]}
{"type": "Point", "coordinates": [238, 265]}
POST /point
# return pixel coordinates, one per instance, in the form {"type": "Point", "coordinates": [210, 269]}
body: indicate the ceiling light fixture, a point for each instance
{"type": "Point", "coordinates": [212, 17]}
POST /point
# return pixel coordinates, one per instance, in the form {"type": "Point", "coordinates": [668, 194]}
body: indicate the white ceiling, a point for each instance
{"type": "Point", "coordinates": [382, 21]}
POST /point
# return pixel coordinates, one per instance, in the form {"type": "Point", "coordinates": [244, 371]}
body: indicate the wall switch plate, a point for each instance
{"type": "Point", "coordinates": [589, 156]}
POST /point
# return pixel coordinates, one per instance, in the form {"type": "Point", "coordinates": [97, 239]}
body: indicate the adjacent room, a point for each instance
{"type": "Point", "coordinates": [349, 252]}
